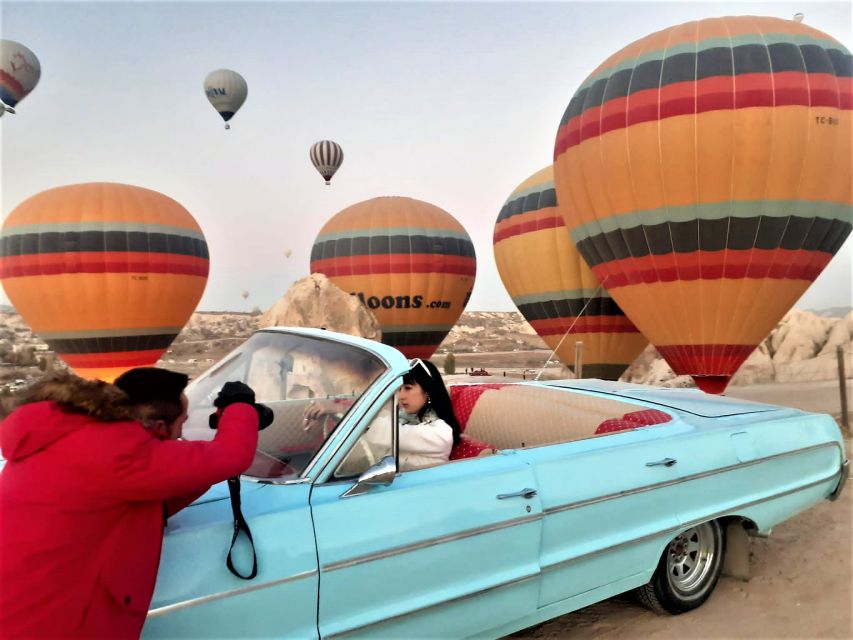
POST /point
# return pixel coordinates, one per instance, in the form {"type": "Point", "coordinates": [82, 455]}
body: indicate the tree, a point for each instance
{"type": "Point", "coordinates": [450, 364]}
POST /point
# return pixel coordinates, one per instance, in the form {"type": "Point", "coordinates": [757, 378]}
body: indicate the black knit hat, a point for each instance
{"type": "Point", "coordinates": [150, 384]}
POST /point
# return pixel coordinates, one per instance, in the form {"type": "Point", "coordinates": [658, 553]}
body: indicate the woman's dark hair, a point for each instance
{"type": "Point", "coordinates": [434, 387]}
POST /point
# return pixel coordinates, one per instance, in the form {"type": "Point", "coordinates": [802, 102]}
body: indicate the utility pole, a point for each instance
{"type": "Point", "coordinates": [579, 359]}
{"type": "Point", "coordinates": [842, 386]}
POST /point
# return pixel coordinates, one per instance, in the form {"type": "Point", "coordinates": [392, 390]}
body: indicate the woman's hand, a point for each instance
{"type": "Point", "coordinates": [313, 412]}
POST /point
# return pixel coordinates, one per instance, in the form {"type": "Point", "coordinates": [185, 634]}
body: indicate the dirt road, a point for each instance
{"type": "Point", "coordinates": [822, 397]}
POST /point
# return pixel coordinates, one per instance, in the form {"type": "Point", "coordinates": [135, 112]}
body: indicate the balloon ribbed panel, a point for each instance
{"type": "Point", "coordinates": [411, 263]}
{"type": "Point", "coordinates": [106, 274]}
{"type": "Point", "coordinates": [327, 157]}
{"type": "Point", "coordinates": [553, 287]}
{"type": "Point", "coordinates": [704, 173]}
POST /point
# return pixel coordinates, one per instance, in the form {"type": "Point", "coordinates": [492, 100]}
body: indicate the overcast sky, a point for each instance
{"type": "Point", "coordinates": [451, 103]}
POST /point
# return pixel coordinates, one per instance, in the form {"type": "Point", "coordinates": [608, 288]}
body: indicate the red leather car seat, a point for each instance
{"type": "Point", "coordinates": [469, 447]}
{"type": "Point", "coordinates": [464, 398]}
{"type": "Point", "coordinates": [647, 416]}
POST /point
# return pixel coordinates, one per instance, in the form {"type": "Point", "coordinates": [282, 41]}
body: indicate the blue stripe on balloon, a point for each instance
{"type": "Point", "coordinates": [7, 96]}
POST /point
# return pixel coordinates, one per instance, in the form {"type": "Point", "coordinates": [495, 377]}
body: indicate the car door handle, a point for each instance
{"type": "Point", "coordinates": [524, 493]}
{"type": "Point", "coordinates": [666, 462]}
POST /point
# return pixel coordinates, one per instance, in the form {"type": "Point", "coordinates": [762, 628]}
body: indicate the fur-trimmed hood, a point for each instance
{"type": "Point", "coordinates": [56, 406]}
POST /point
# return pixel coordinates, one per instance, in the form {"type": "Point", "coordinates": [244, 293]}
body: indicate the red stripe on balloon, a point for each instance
{"type": "Point", "coordinates": [539, 224]}
{"type": "Point", "coordinates": [778, 264]}
{"type": "Point", "coordinates": [16, 87]}
{"type": "Point", "coordinates": [705, 359]}
{"type": "Point", "coordinates": [112, 359]}
{"type": "Point", "coordinates": [417, 351]}
{"type": "Point", "coordinates": [395, 263]}
{"type": "Point", "coordinates": [586, 324]}
{"type": "Point", "coordinates": [47, 264]}
{"type": "Point", "coordinates": [709, 94]}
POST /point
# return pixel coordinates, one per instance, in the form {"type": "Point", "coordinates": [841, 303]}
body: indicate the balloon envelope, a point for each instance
{"type": "Point", "coordinates": [106, 274]}
{"type": "Point", "coordinates": [411, 263]}
{"type": "Point", "coordinates": [327, 157]}
{"type": "Point", "coordinates": [705, 175]}
{"type": "Point", "coordinates": [19, 71]}
{"type": "Point", "coordinates": [226, 90]}
{"type": "Point", "coordinates": [554, 288]}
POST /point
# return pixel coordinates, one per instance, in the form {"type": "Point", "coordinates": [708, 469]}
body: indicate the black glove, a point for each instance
{"type": "Point", "coordinates": [233, 392]}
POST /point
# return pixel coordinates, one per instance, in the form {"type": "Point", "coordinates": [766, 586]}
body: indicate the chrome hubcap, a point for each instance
{"type": "Point", "coordinates": [690, 557]}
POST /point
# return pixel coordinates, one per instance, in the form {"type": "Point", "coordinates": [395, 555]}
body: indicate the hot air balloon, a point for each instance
{"type": "Point", "coordinates": [411, 263]}
{"type": "Point", "coordinates": [327, 157]}
{"type": "Point", "coordinates": [705, 175]}
{"type": "Point", "coordinates": [19, 73]}
{"type": "Point", "coordinates": [245, 295]}
{"type": "Point", "coordinates": [106, 274]}
{"type": "Point", "coordinates": [226, 90]}
{"type": "Point", "coordinates": [288, 253]}
{"type": "Point", "coordinates": [553, 287]}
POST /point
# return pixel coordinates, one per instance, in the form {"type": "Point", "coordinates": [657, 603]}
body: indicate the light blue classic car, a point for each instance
{"type": "Point", "coordinates": [561, 494]}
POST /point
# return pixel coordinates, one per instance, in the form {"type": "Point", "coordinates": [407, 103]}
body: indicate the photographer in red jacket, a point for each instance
{"type": "Point", "coordinates": [92, 472]}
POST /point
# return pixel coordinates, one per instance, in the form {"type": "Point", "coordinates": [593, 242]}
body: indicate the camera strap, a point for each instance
{"type": "Point", "coordinates": [240, 524]}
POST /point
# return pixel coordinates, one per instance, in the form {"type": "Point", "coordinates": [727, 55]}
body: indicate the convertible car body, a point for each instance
{"type": "Point", "coordinates": [561, 494]}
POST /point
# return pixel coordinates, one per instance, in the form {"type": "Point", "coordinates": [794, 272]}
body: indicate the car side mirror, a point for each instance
{"type": "Point", "coordinates": [382, 473]}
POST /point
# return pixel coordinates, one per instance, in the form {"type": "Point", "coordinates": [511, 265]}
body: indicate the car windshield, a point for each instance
{"type": "Point", "coordinates": [288, 372]}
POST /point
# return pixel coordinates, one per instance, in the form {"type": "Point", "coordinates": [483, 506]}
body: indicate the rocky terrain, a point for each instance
{"type": "Point", "coordinates": [801, 348]}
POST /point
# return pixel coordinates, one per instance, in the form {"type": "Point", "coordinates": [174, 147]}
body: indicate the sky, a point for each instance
{"type": "Point", "coordinates": [451, 103]}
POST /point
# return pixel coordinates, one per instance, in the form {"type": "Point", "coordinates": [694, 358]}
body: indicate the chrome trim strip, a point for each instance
{"type": "Point", "coordinates": [387, 553]}
{"type": "Point", "coordinates": [461, 598]}
{"type": "Point", "coordinates": [844, 473]}
{"type": "Point", "coordinates": [275, 480]}
{"type": "Point", "coordinates": [160, 611]}
{"type": "Point", "coordinates": [672, 531]}
{"type": "Point", "coordinates": [695, 476]}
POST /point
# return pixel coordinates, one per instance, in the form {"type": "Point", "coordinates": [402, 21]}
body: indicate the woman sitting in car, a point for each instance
{"type": "Point", "coordinates": [428, 428]}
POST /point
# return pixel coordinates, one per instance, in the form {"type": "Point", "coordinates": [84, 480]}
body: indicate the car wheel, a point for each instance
{"type": "Point", "coordinates": [687, 571]}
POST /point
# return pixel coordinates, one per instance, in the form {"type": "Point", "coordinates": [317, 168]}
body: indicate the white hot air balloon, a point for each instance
{"type": "Point", "coordinates": [226, 90]}
{"type": "Point", "coordinates": [19, 74]}
{"type": "Point", "coordinates": [327, 157]}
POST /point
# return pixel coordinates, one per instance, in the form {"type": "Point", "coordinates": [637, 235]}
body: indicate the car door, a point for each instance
{"type": "Point", "coordinates": [197, 597]}
{"type": "Point", "coordinates": [450, 550]}
{"type": "Point", "coordinates": [610, 506]}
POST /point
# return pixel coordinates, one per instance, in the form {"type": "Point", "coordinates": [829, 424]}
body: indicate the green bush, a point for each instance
{"type": "Point", "coordinates": [450, 364]}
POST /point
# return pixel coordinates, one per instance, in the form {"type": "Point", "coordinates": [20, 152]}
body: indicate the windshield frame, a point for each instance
{"type": "Point", "coordinates": [393, 363]}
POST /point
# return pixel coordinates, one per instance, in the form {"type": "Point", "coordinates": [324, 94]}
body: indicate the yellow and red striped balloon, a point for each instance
{"type": "Point", "coordinates": [411, 263]}
{"type": "Point", "coordinates": [106, 274]}
{"type": "Point", "coordinates": [705, 175]}
{"type": "Point", "coordinates": [554, 288]}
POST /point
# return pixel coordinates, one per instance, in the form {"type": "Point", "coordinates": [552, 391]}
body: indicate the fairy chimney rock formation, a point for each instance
{"type": "Point", "coordinates": [316, 302]}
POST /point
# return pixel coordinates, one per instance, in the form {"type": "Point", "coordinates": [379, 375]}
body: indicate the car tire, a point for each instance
{"type": "Point", "coordinates": [687, 571]}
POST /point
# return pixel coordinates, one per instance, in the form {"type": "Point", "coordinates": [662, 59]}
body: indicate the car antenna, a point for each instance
{"type": "Point", "coordinates": [569, 330]}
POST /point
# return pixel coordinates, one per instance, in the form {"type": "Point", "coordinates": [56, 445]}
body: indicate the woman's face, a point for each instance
{"type": "Point", "coordinates": [412, 397]}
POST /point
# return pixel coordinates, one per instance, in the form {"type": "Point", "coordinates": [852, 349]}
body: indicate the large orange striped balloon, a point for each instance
{"type": "Point", "coordinates": [554, 288]}
{"type": "Point", "coordinates": [410, 262]}
{"type": "Point", "coordinates": [705, 175]}
{"type": "Point", "coordinates": [106, 274]}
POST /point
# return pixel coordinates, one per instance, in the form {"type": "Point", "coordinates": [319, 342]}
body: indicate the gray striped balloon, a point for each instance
{"type": "Point", "coordinates": [327, 157]}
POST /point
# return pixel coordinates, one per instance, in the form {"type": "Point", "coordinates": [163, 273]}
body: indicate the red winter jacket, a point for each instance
{"type": "Point", "coordinates": [81, 515]}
